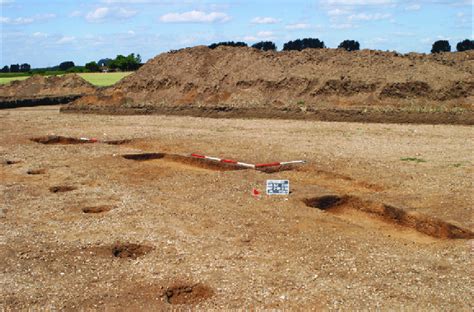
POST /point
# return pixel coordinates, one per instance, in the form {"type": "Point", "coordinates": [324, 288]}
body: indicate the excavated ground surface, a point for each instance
{"type": "Point", "coordinates": [379, 218]}
{"type": "Point", "coordinates": [322, 84]}
{"type": "Point", "coordinates": [41, 90]}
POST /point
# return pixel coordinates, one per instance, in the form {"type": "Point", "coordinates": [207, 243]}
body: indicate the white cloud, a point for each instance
{"type": "Point", "coordinates": [337, 12]}
{"type": "Point", "coordinates": [261, 36]}
{"type": "Point", "coordinates": [297, 26]}
{"type": "Point", "coordinates": [195, 17]}
{"type": "Point", "coordinates": [40, 35]}
{"type": "Point", "coordinates": [369, 17]}
{"type": "Point", "coordinates": [413, 7]}
{"type": "Point", "coordinates": [2, 2]}
{"type": "Point", "coordinates": [66, 39]}
{"type": "Point", "coordinates": [26, 20]}
{"type": "Point", "coordinates": [102, 13]}
{"type": "Point", "coordinates": [265, 20]}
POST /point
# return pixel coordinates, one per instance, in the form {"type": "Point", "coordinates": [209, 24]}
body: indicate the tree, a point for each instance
{"type": "Point", "coordinates": [104, 62]}
{"type": "Point", "coordinates": [349, 45]}
{"type": "Point", "coordinates": [465, 45]}
{"type": "Point", "coordinates": [66, 65]}
{"type": "Point", "coordinates": [441, 46]}
{"type": "Point", "coordinates": [228, 44]}
{"type": "Point", "coordinates": [265, 46]}
{"type": "Point", "coordinates": [92, 67]}
{"type": "Point", "coordinates": [5, 69]}
{"type": "Point", "coordinates": [126, 63]}
{"type": "Point", "coordinates": [25, 67]}
{"type": "Point", "coordinates": [307, 43]}
{"type": "Point", "coordinates": [14, 68]}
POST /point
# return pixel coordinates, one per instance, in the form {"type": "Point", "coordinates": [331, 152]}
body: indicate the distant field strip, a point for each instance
{"type": "Point", "coordinates": [98, 79]}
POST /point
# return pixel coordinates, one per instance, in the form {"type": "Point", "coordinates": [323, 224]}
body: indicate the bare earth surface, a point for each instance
{"type": "Point", "coordinates": [83, 227]}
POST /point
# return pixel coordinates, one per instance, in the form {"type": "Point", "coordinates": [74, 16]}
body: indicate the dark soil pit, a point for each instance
{"type": "Point", "coordinates": [187, 294]}
{"type": "Point", "coordinates": [97, 209]}
{"type": "Point", "coordinates": [398, 217]}
{"type": "Point", "coordinates": [130, 250]}
{"type": "Point", "coordinates": [144, 156]}
{"type": "Point", "coordinates": [56, 139]}
{"type": "Point", "coordinates": [118, 142]}
{"type": "Point", "coordinates": [62, 188]}
{"type": "Point", "coordinates": [36, 171]}
{"type": "Point", "coordinates": [274, 169]}
{"type": "Point", "coordinates": [11, 162]}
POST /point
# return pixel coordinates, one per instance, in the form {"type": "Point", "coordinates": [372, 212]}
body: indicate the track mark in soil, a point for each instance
{"type": "Point", "coordinates": [349, 206]}
{"type": "Point", "coordinates": [182, 293]}
{"type": "Point", "coordinates": [97, 209]}
{"type": "Point", "coordinates": [62, 188]}
{"type": "Point", "coordinates": [36, 171]}
{"type": "Point", "coordinates": [130, 250]}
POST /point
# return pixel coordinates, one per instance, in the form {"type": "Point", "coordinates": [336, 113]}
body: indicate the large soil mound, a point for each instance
{"type": "Point", "coordinates": [38, 90]}
{"type": "Point", "coordinates": [238, 79]}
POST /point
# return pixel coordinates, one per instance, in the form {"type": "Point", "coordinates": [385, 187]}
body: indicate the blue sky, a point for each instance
{"type": "Point", "coordinates": [47, 32]}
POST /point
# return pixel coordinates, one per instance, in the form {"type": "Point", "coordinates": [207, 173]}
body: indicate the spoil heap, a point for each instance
{"type": "Point", "coordinates": [246, 81]}
{"type": "Point", "coordinates": [40, 90]}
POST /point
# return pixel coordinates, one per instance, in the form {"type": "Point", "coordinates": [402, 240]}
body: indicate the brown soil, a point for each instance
{"type": "Point", "coordinates": [419, 222]}
{"type": "Point", "coordinates": [36, 171]}
{"type": "Point", "coordinates": [41, 90]}
{"type": "Point", "coordinates": [187, 294]}
{"type": "Point", "coordinates": [62, 189]}
{"type": "Point", "coordinates": [283, 84]}
{"type": "Point", "coordinates": [97, 209]}
{"type": "Point", "coordinates": [385, 242]}
{"type": "Point", "coordinates": [120, 250]}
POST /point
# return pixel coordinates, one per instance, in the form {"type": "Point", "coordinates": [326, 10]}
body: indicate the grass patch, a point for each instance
{"type": "Point", "coordinates": [98, 79]}
{"type": "Point", "coordinates": [414, 159]}
{"type": "Point", "coordinates": [104, 79]}
{"type": "Point", "coordinates": [4, 80]}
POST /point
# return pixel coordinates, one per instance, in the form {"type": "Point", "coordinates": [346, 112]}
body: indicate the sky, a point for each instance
{"type": "Point", "coordinates": [47, 32]}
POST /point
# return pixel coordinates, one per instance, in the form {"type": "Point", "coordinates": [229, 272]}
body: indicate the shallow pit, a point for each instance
{"type": "Point", "coordinates": [36, 171]}
{"type": "Point", "coordinates": [130, 250]}
{"type": "Point", "coordinates": [62, 188]}
{"type": "Point", "coordinates": [182, 293]}
{"type": "Point", "coordinates": [343, 205]}
{"type": "Point", "coordinates": [97, 209]}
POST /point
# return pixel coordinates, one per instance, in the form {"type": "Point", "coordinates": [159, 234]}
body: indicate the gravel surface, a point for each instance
{"type": "Point", "coordinates": [85, 228]}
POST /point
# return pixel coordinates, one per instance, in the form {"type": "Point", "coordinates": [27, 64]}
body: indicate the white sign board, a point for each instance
{"type": "Point", "coordinates": [278, 187]}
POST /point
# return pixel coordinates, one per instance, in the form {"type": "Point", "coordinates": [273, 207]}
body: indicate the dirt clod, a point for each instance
{"type": "Point", "coordinates": [187, 294]}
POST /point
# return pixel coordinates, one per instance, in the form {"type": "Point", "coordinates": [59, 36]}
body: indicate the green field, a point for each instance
{"type": "Point", "coordinates": [98, 79]}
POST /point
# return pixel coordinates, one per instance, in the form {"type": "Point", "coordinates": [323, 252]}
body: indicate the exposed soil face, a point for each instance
{"type": "Point", "coordinates": [41, 90]}
{"type": "Point", "coordinates": [289, 83]}
{"type": "Point", "coordinates": [390, 214]}
{"type": "Point", "coordinates": [393, 232]}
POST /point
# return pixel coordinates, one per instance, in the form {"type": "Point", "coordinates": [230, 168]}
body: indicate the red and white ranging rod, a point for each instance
{"type": "Point", "coordinates": [253, 166]}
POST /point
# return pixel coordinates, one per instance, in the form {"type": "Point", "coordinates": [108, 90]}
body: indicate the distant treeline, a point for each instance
{"type": "Point", "coordinates": [349, 45]}
{"type": "Point", "coordinates": [122, 63]}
